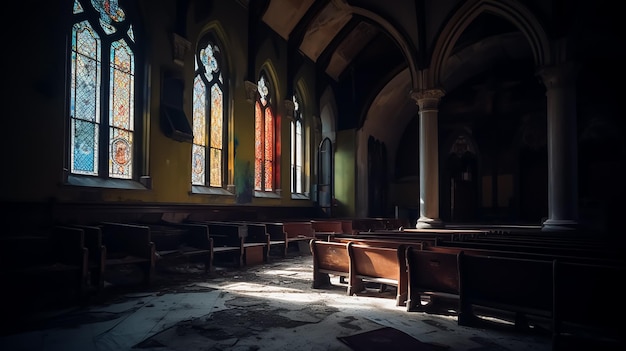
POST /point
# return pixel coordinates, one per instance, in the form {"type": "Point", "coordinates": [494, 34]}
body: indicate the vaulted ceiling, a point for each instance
{"type": "Point", "coordinates": [359, 52]}
{"type": "Point", "coordinates": [354, 52]}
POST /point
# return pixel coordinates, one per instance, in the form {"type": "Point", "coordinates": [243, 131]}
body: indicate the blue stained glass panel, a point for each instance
{"type": "Point", "coordinates": [84, 147]}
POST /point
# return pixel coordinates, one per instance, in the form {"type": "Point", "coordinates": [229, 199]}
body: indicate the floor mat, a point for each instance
{"type": "Point", "coordinates": [387, 338]}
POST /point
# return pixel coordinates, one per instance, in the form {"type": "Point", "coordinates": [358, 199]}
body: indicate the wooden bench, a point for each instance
{"type": "Point", "coordinates": [373, 224]}
{"type": "Point", "coordinates": [519, 286]}
{"type": "Point", "coordinates": [588, 307]}
{"type": "Point", "coordinates": [593, 252]}
{"type": "Point", "coordinates": [326, 228]}
{"type": "Point", "coordinates": [256, 243]}
{"type": "Point", "coordinates": [188, 241]}
{"type": "Point", "coordinates": [228, 241]}
{"type": "Point", "coordinates": [360, 264]}
{"type": "Point", "coordinates": [285, 233]}
{"type": "Point", "coordinates": [128, 244]}
{"type": "Point", "coordinates": [35, 266]}
{"type": "Point", "coordinates": [383, 265]}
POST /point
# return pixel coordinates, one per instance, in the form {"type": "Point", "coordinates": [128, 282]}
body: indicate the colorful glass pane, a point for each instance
{"type": "Point", "coordinates": [84, 98]}
{"type": "Point", "coordinates": [131, 33]}
{"type": "Point", "coordinates": [209, 61]}
{"type": "Point", "coordinates": [78, 8]}
{"type": "Point", "coordinates": [199, 132]}
{"type": "Point", "coordinates": [198, 165]}
{"type": "Point", "coordinates": [84, 147]}
{"type": "Point", "coordinates": [216, 167]}
{"type": "Point", "coordinates": [121, 111]}
{"type": "Point", "coordinates": [299, 156]}
{"type": "Point", "coordinates": [199, 112]}
{"type": "Point", "coordinates": [269, 148]}
{"type": "Point", "coordinates": [258, 146]}
{"type": "Point", "coordinates": [120, 154]}
{"type": "Point", "coordinates": [109, 10]}
{"type": "Point", "coordinates": [297, 148]}
{"type": "Point", "coordinates": [217, 118]}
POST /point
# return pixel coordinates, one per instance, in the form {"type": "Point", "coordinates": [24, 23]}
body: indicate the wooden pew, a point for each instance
{"type": "Point", "coordinates": [588, 307]}
{"type": "Point", "coordinates": [325, 229]}
{"type": "Point", "coordinates": [383, 265]}
{"type": "Point", "coordinates": [256, 243]}
{"type": "Point", "coordinates": [283, 234]}
{"type": "Point", "coordinates": [373, 224]}
{"type": "Point", "coordinates": [129, 244]}
{"type": "Point", "coordinates": [37, 266]}
{"type": "Point", "coordinates": [535, 248]}
{"type": "Point", "coordinates": [383, 242]}
{"type": "Point", "coordinates": [228, 241]}
{"type": "Point", "coordinates": [360, 264]}
{"type": "Point", "coordinates": [523, 254]}
{"type": "Point", "coordinates": [329, 258]}
{"type": "Point", "coordinates": [182, 240]}
{"type": "Point", "coordinates": [511, 285]}
{"type": "Point", "coordinates": [433, 275]}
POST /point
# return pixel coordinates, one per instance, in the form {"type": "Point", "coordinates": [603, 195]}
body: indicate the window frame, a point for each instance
{"type": "Point", "coordinates": [265, 92]}
{"type": "Point", "coordinates": [138, 179]}
{"type": "Point", "coordinates": [199, 72]}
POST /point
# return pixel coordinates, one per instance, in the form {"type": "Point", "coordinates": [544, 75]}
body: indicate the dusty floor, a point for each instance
{"type": "Point", "coordinates": [264, 307]}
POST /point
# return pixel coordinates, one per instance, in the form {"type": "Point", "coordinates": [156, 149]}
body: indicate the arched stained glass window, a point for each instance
{"type": "Point", "coordinates": [102, 91]}
{"type": "Point", "coordinates": [208, 116]}
{"type": "Point", "coordinates": [264, 137]}
{"type": "Point", "coordinates": [297, 148]}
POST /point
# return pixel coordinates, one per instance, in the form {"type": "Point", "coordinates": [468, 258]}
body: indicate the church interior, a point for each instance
{"type": "Point", "coordinates": [430, 116]}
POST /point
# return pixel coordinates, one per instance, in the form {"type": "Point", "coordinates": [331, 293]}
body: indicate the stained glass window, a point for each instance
{"type": "Point", "coordinates": [208, 116]}
{"type": "Point", "coordinates": [297, 148]}
{"type": "Point", "coordinates": [264, 165]}
{"type": "Point", "coordinates": [102, 65]}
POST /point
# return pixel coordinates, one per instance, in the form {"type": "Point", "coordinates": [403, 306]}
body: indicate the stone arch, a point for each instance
{"type": "Point", "coordinates": [513, 11]}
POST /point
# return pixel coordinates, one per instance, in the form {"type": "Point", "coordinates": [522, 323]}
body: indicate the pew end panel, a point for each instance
{"type": "Point", "coordinates": [433, 276]}
{"type": "Point", "coordinates": [329, 258]}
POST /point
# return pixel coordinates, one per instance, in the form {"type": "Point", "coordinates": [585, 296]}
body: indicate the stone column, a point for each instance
{"type": "Point", "coordinates": [428, 102]}
{"type": "Point", "coordinates": [560, 82]}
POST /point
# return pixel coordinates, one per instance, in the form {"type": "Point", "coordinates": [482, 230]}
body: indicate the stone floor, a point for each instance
{"type": "Point", "coordinates": [264, 307]}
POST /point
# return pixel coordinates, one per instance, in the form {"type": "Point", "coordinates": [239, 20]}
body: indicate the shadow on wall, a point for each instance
{"type": "Point", "coordinates": [243, 183]}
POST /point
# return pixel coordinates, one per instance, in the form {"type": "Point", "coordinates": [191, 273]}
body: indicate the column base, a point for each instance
{"type": "Point", "coordinates": [559, 225]}
{"type": "Point", "coordinates": [429, 223]}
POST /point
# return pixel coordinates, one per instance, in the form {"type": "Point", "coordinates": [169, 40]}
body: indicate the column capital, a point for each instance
{"type": "Point", "coordinates": [559, 75]}
{"type": "Point", "coordinates": [427, 99]}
